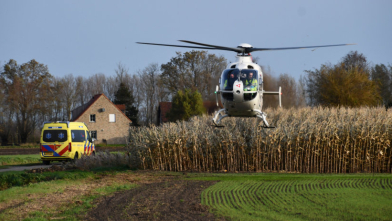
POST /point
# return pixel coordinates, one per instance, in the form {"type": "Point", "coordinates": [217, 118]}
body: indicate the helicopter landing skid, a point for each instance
{"type": "Point", "coordinates": [270, 127]}
{"type": "Point", "coordinates": [218, 117]}
{"type": "Point", "coordinates": [263, 117]}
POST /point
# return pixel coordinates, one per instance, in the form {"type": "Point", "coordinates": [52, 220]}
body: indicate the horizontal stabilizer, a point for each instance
{"type": "Point", "coordinates": [275, 93]}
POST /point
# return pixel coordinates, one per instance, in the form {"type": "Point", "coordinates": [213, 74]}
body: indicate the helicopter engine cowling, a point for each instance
{"type": "Point", "coordinates": [238, 88]}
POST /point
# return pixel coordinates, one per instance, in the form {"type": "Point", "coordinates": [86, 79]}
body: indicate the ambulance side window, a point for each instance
{"type": "Point", "coordinates": [78, 135]}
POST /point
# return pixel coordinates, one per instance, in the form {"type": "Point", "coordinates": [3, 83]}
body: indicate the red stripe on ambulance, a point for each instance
{"type": "Point", "coordinates": [63, 151]}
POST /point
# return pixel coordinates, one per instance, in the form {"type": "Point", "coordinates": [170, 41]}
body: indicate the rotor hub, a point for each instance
{"type": "Point", "coordinates": [244, 45]}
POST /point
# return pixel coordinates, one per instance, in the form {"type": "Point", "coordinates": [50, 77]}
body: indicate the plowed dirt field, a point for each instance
{"type": "Point", "coordinates": [166, 200]}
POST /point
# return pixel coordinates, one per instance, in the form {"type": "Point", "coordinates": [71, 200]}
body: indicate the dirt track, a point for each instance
{"type": "Point", "coordinates": [167, 200]}
{"type": "Point", "coordinates": [22, 151]}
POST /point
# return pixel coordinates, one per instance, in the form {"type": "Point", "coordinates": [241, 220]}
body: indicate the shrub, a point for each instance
{"type": "Point", "coordinates": [106, 159]}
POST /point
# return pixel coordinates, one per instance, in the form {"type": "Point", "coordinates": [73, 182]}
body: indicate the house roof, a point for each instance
{"type": "Point", "coordinates": [164, 108]}
{"type": "Point", "coordinates": [93, 100]}
{"type": "Point", "coordinates": [121, 107]}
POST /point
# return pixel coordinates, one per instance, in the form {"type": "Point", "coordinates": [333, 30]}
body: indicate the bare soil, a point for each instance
{"type": "Point", "coordinates": [159, 196]}
{"type": "Point", "coordinates": [23, 151]}
{"type": "Point", "coordinates": [165, 200]}
{"type": "Point", "coordinates": [20, 208]}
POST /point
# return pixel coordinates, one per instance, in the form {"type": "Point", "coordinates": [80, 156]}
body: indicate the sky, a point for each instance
{"type": "Point", "coordinates": [84, 38]}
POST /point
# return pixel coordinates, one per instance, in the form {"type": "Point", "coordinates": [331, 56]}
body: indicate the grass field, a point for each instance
{"type": "Point", "coordinates": [300, 197]}
{"type": "Point", "coordinates": [19, 159]}
{"type": "Point", "coordinates": [238, 196]}
{"type": "Point", "coordinates": [6, 160]}
{"type": "Point", "coordinates": [67, 197]}
{"type": "Point", "coordinates": [27, 145]}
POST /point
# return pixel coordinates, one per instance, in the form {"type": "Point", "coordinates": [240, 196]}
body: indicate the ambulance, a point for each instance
{"type": "Point", "coordinates": [64, 140]}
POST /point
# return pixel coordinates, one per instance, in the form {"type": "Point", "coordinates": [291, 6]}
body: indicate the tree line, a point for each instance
{"type": "Point", "coordinates": [30, 95]}
{"type": "Point", "coordinates": [352, 82]}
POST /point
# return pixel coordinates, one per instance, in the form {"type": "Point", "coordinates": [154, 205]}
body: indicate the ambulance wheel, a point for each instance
{"type": "Point", "coordinates": [76, 157]}
{"type": "Point", "coordinates": [46, 162]}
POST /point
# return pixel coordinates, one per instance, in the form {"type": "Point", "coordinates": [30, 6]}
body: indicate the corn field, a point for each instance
{"type": "Point", "coordinates": [307, 140]}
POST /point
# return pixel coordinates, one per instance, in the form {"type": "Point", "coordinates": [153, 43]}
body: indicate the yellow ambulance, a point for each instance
{"type": "Point", "coordinates": [64, 140]}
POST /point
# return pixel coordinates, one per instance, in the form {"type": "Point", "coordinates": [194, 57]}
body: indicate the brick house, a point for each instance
{"type": "Point", "coordinates": [106, 121]}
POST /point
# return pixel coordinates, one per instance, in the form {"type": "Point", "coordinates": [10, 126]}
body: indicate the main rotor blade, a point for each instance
{"type": "Point", "coordinates": [272, 49]}
{"type": "Point", "coordinates": [180, 46]}
{"type": "Point", "coordinates": [239, 50]}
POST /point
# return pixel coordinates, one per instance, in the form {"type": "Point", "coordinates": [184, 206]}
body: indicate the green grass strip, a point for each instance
{"type": "Point", "coordinates": [21, 178]}
{"type": "Point", "coordinates": [19, 159]}
{"type": "Point", "coordinates": [300, 196]}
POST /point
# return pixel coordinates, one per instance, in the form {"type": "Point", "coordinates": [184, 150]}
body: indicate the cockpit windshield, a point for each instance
{"type": "Point", "coordinates": [247, 76]}
{"type": "Point", "coordinates": [228, 78]}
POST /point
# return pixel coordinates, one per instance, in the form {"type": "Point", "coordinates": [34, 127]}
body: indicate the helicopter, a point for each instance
{"type": "Point", "coordinates": [241, 84]}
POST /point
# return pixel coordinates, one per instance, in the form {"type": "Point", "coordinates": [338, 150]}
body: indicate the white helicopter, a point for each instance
{"type": "Point", "coordinates": [241, 84]}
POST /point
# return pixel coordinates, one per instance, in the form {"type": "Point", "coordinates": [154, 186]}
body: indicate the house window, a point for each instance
{"type": "Point", "coordinates": [112, 118]}
{"type": "Point", "coordinates": [94, 134]}
{"type": "Point", "coordinates": [92, 117]}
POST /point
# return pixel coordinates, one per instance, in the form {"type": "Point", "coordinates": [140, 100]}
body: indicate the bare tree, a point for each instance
{"type": "Point", "coordinates": [194, 70]}
{"type": "Point", "coordinates": [110, 88]}
{"type": "Point", "coordinates": [301, 93]}
{"type": "Point", "coordinates": [81, 91]}
{"type": "Point", "coordinates": [136, 88]}
{"type": "Point", "coordinates": [6, 117]}
{"type": "Point", "coordinates": [354, 59]}
{"type": "Point", "coordinates": [26, 86]}
{"type": "Point", "coordinates": [121, 73]}
{"type": "Point", "coordinates": [57, 101]}
{"type": "Point", "coordinates": [96, 85]}
{"type": "Point", "coordinates": [149, 79]}
{"type": "Point", "coordinates": [289, 90]}
{"type": "Point", "coordinates": [270, 83]}
{"type": "Point", "coordinates": [69, 95]}
{"type": "Point", "coordinates": [383, 77]}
